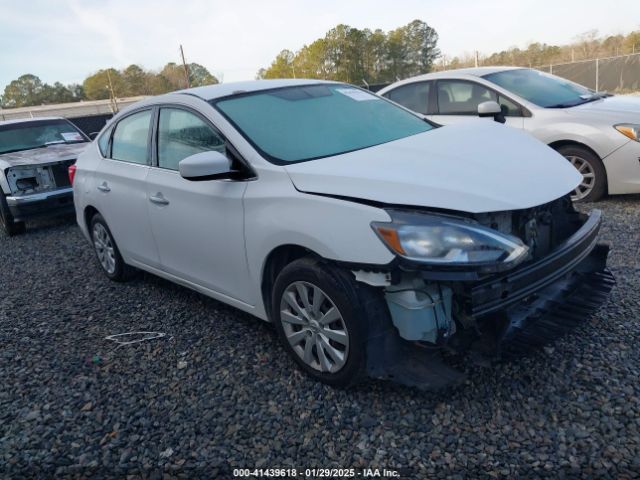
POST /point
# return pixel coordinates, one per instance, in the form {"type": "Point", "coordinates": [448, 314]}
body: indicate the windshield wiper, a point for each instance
{"type": "Point", "coordinates": [584, 99]}
{"type": "Point", "coordinates": [22, 149]}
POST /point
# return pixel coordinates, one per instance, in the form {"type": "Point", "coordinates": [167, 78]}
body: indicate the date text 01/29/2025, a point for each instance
{"type": "Point", "coordinates": [316, 473]}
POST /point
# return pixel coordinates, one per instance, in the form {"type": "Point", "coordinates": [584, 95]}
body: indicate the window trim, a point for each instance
{"type": "Point", "coordinates": [247, 171]}
{"type": "Point", "coordinates": [114, 128]}
{"type": "Point", "coordinates": [523, 110]}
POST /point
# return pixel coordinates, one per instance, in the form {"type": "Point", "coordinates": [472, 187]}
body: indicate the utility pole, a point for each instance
{"type": "Point", "coordinates": [186, 68]}
{"type": "Point", "coordinates": [114, 102]}
{"type": "Point", "coordinates": [476, 58]}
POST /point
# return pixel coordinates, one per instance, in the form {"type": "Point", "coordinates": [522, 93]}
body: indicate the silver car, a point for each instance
{"type": "Point", "coordinates": [35, 155]}
{"type": "Point", "coordinates": [597, 132]}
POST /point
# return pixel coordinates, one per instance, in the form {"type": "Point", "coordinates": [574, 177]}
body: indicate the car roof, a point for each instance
{"type": "Point", "coordinates": [211, 92]}
{"type": "Point", "coordinates": [462, 73]}
{"type": "Point", "coordinates": [27, 120]}
{"type": "Point", "coordinates": [475, 71]}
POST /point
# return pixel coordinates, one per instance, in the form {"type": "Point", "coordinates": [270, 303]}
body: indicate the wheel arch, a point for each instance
{"type": "Point", "coordinates": [275, 261]}
{"type": "Point", "coordinates": [89, 212]}
{"type": "Point", "coordinates": [573, 143]}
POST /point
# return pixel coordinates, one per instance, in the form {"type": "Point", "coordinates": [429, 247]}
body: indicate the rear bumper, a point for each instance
{"type": "Point", "coordinates": [55, 202]}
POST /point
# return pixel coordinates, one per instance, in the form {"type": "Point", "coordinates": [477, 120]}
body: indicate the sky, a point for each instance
{"type": "Point", "coordinates": [67, 40]}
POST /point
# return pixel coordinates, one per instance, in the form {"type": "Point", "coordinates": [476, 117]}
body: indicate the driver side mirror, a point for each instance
{"type": "Point", "coordinates": [491, 109]}
{"type": "Point", "coordinates": [93, 135]}
{"type": "Point", "coordinates": [205, 166]}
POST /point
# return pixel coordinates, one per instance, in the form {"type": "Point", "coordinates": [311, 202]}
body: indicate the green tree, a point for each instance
{"type": "Point", "coordinates": [25, 91]}
{"type": "Point", "coordinates": [632, 42]}
{"type": "Point", "coordinates": [199, 76]}
{"type": "Point", "coordinates": [282, 66]}
{"type": "Point", "coordinates": [56, 93]}
{"type": "Point", "coordinates": [97, 86]}
{"type": "Point", "coordinates": [174, 74]}
{"type": "Point", "coordinates": [421, 47]}
{"type": "Point", "coordinates": [353, 55]}
{"type": "Point", "coordinates": [77, 92]}
{"type": "Point", "coordinates": [135, 81]}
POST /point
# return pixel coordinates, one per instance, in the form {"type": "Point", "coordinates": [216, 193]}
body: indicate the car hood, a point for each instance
{"type": "Point", "coordinates": [36, 156]}
{"type": "Point", "coordinates": [467, 167]}
{"type": "Point", "coordinates": [622, 108]}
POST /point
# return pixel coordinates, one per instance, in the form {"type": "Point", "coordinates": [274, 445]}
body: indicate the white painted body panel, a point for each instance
{"type": "Point", "coordinates": [590, 124]}
{"type": "Point", "coordinates": [479, 167]}
{"type": "Point", "coordinates": [215, 236]}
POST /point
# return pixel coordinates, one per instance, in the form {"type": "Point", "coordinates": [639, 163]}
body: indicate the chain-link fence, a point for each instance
{"type": "Point", "coordinates": [612, 74]}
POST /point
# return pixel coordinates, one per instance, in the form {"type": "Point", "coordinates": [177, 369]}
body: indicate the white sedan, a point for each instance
{"type": "Point", "coordinates": [372, 239]}
{"type": "Point", "coordinates": [597, 132]}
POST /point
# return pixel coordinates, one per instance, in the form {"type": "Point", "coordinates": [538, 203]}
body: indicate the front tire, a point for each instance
{"type": "Point", "coordinates": [9, 225]}
{"type": "Point", "coordinates": [107, 251]}
{"type": "Point", "coordinates": [318, 314]}
{"type": "Point", "coordinates": [594, 175]}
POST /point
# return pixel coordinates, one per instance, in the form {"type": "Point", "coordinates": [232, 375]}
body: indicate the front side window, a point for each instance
{"type": "Point", "coordinates": [16, 137]}
{"type": "Point", "coordinates": [541, 88]}
{"type": "Point", "coordinates": [509, 108]}
{"type": "Point", "coordinates": [414, 96]}
{"type": "Point", "coordinates": [181, 134]}
{"type": "Point", "coordinates": [459, 97]}
{"type": "Point", "coordinates": [299, 123]}
{"type": "Point", "coordinates": [131, 138]}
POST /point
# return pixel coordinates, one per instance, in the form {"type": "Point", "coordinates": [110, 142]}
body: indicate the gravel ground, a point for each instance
{"type": "Point", "coordinates": [218, 392]}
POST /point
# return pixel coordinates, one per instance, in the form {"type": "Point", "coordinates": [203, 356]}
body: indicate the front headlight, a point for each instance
{"type": "Point", "coordinates": [629, 130]}
{"type": "Point", "coordinates": [448, 241]}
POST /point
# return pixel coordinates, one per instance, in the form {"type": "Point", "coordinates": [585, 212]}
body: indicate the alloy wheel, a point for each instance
{"type": "Point", "coordinates": [104, 248]}
{"type": "Point", "coordinates": [314, 327]}
{"type": "Point", "coordinates": [588, 177]}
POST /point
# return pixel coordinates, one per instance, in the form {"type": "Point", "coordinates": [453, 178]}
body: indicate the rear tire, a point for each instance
{"type": "Point", "coordinates": [594, 184]}
{"type": "Point", "coordinates": [107, 251]}
{"type": "Point", "coordinates": [9, 225]}
{"type": "Point", "coordinates": [320, 314]}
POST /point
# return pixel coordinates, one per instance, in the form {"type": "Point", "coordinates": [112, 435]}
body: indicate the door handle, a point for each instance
{"type": "Point", "coordinates": [159, 199]}
{"type": "Point", "coordinates": [103, 187]}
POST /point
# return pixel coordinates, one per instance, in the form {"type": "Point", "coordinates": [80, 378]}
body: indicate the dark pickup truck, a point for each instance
{"type": "Point", "coordinates": [35, 155]}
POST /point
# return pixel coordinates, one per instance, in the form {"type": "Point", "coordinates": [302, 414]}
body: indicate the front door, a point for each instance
{"type": "Point", "coordinates": [198, 225]}
{"type": "Point", "coordinates": [458, 100]}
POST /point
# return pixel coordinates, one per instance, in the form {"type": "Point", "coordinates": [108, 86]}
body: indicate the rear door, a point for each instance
{"type": "Point", "coordinates": [457, 101]}
{"type": "Point", "coordinates": [121, 188]}
{"type": "Point", "coordinates": [414, 96]}
{"type": "Point", "coordinates": [198, 225]}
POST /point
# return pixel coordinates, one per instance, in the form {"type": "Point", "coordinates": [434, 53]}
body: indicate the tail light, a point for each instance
{"type": "Point", "coordinates": [72, 173]}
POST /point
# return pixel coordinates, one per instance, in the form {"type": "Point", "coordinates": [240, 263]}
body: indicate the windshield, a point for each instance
{"type": "Point", "coordinates": [541, 88]}
{"type": "Point", "coordinates": [300, 123]}
{"type": "Point", "coordinates": [15, 137]}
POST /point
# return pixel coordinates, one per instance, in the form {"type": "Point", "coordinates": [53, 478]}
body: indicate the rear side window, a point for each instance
{"type": "Point", "coordinates": [131, 138]}
{"type": "Point", "coordinates": [414, 96]}
{"type": "Point", "coordinates": [181, 134]}
{"type": "Point", "coordinates": [103, 143]}
{"type": "Point", "coordinates": [456, 97]}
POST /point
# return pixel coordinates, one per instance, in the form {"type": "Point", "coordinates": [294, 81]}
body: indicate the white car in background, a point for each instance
{"type": "Point", "coordinates": [597, 132]}
{"type": "Point", "coordinates": [370, 238]}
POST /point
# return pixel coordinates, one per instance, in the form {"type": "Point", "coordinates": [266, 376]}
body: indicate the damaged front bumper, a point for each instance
{"type": "Point", "coordinates": [53, 202]}
{"type": "Point", "coordinates": [504, 314]}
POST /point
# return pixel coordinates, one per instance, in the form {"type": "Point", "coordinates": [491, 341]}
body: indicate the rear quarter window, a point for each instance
{"type": "Point", "coordinates": [103, 142]}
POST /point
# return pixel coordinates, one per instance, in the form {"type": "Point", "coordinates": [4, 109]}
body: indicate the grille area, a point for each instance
{"type": "Point", "coordinates": [61, 174]}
